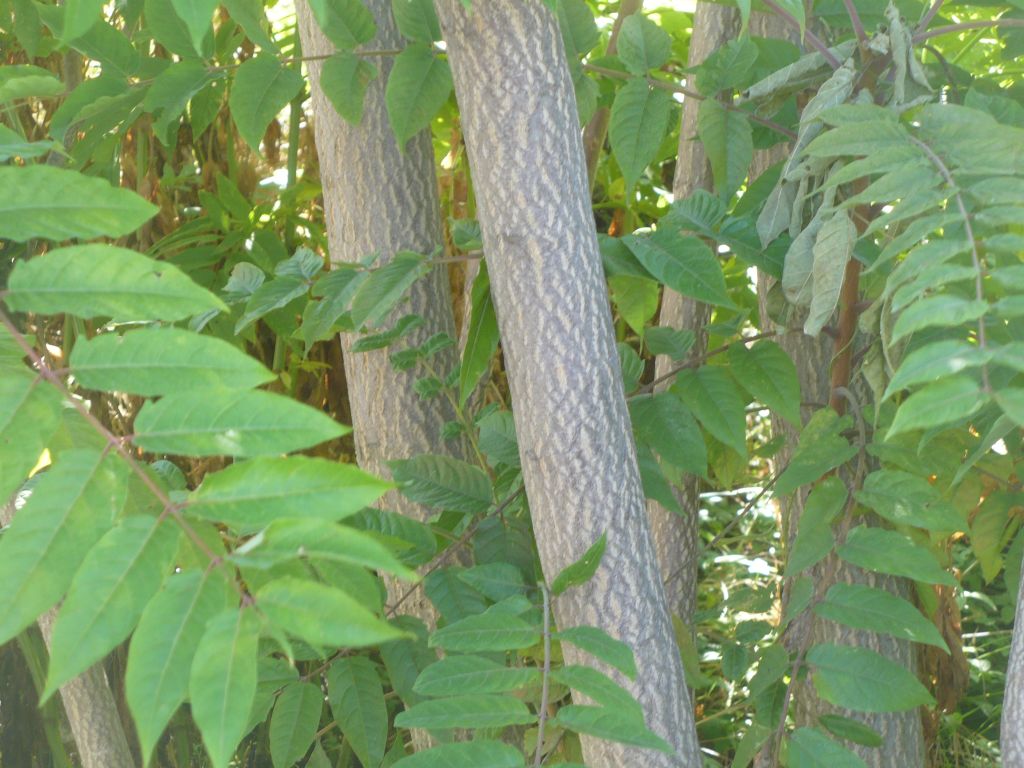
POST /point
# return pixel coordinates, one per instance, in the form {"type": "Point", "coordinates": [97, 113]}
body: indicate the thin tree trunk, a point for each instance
{"type": "Point", "coordinates": [676, 536]}
{"type": "Point", "coordinates": [1012, 727]}
{"type": "Point", "coordinates": [903, 742]}
{"type": "Point", "coordinates": [88, 700]}
{"type": "Point", "coordinates": [578, 458]}
{"type": "Point", "coordinates": [380, 200]}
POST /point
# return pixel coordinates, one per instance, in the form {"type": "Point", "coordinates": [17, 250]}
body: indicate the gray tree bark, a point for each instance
{"type": "Point", "coordinates": [379, 199]}
{"type": "Point", "coordinates": [579, 461]}
{"type": "Point", "coordinates": [1011, 737]}
{"type": "Point", "coordinates": [903, 742]}
{"type": "Point", "coordinates": [676, 538]}
{"type": "Point", "coordinates": [88, 701]}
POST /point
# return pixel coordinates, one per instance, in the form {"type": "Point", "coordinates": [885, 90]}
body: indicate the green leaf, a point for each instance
{"type": "Point", "coordinates": [711, 394]}
{"type": "Point", "coordinates": [171, 92]}
{"type": "Point", "coordinates": [496, 581]}
{"type": "Point", "coordinates": [271, 295]}
{"type": "Point", "coordinates": [666, 425]}
{"type": "Point", "coordinates": [13, 145]}
{"type": "Point", "coordinates": [673, 342]}
{"type": "Point", "coordinates": [30, 412]}
{"type": "Point", "coordinates": [71, 506]}
{"type": "Point", "coordinates": [600, 688]}
{"type": "Point", "coordinates": [635, 298]}
{"type": "Point", "coordinates": [454, 598]}
{"type": "Point", "coordinates": [466, 754]}
{"type": "Point", "coordinates": [294, 722]}
{"type": "Point", "coordinates": [606, 723]}
{"type": "Point", "coordinates": [481, 338]}
{"type": "Point", "coordinates": [106, 281]}
{"type": "Point", "coordinates": [727, 68]}
{"type": "Point", "coordinates": [418, 87]}
{"type": "Point", "coordinates": [357, 702]}
{"type": "Point", "coordinates": [821, 449]}
{"type": "Point", "coordinates": [865, 681]}
{"type": "Point", "coordinates": [936, 361]}
{"type": "Point", "coordinates": [775, 216]}
{"type": "Point", "coordinates": [814, 538]}
{"type": "Point", "coordinates": [877, 549]}
{"type": "Point", "coordinates": [322, 615]}
{"type": "Point", "coordinates": [198, 17]}
{"type": "Point", "coordinates": [683, 263]}
{"type": "Point", "coordinates": [639, 120]}
{"type": "Point", "coordinates": [947, 400]}
{"type": "Point", "coordinates": [581, 571]}
{"type": "Point", "coordinates": [108, 594]}
{"type": "Point", "coordinates": [344, 80]}
{"type": "Point", "coordinates": [851, 730]}
{"type": "Point", "coordinates": [833, 248]}
{"type": "Point", "coordinates": [217, 423]}
{"type": "Point", "coordinates": [601, 646]}
{"type": "Point", "coordinates": [160, 361]}
{"type": "Point", "coordinates": [1011, 400]}
{"type": "Point", "coordinates": [642, 44]}
{"type": "Point", "coordinates": [262, 87]}
{"type": "Point", "coordinates": [579, 30]}
{"type": "Point", "coordinates": [79, 17]}
{"type": "Point", "coordinates": [809, 748]}
{"type": "Point", "coordinates": [942, 310]}
{"type": "Point", "coordinates": [445, 482]}
{"type": "Point", "coordinates": [417, 20]}
{"type": "Point", "coordinates": [472, 711]}
{"type": "Point", "coordinates": [769, 375]}
{"type": "Point", "coordinates": [22, 81]}
{"type": "Point", "coordinates": [222, 684]}
{"type": "Point", "coordinates": [58, 204]}
{"type": "Point", "coordinates": [163, 646]}
{"type": "Point", "coordinates": [728, 141]}
{"type": "Point", "coordinates": [381, 292]}
{"type": "Point", "coordinates": [346, 23]}
{"type": "Point", "coordinates": [906, 499]}
{"type": "Point", "coordinates": [472, 674]}
{"type": "Point", "coordinates": [863, 607]}
{"type": "Point", "coordinates": [485, 632]}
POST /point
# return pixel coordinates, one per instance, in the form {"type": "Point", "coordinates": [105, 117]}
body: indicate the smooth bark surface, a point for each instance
{"type": "Point", "coordinates": [1011, 737]}
{"type": "Point", "coordinates": [579, 462]}
{"type": "Point", "coordinates": [676, 537]}
{"type": "Point", "coordinates": [380, 200]}
{"type": "Point", "coordinates": [88, 700]}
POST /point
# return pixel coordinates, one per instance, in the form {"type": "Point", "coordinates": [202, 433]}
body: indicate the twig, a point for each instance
{"type": "Point", "coordinates": [929, 15]}
{"type": "Point", "coordinates": [965, 25]}
{"type": "Point", "coordinates": [858, 25]}
{"type": "Point", "coordinates": [695, 362]}
{"type": "Point", "coordinates": [542, 715]}
{"type": "Point", "coordinates": [809, 36]}
{"type": "Point", "coordinates": [689, 93]}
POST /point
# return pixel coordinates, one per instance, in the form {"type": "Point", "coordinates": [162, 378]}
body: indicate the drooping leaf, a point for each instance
{"type": "Point", "coordinates": [877, 549]}
{"type": "Point", "coordinates": [711, 395]}
{"type": "Point", "coordinates": [261, 88]}
{"type": "Point", "coordinates": [418, 87]}
{"type": "Point", "coordinates": [814, 538]}
{"type": "Point", "coordinates": [471, 674]}
{"type": "Point", "coordinates": [862, 680]}
{"type": "Point", "coordinates": [417, 20]}
{"type": "Point", "coordinates": [642, 44]}
{"type": "Point", "coordinates": [222, 683]}
{"type": "Point", "coordinates": [675, 343]}
{"type": "Point", "coordinates": [466, 754]}
{"type": "Point", "coordinates": [198, 17]}
{"type": "Point", "coordinates": [582, 569]}
{"type": "Point", "coordinates": [322, 615]}
{"type": "Point", "coordinates": [579, 30]}
{"type": "Point", "coordinates": [445, 482]}
{"type": "Point", "coordinates": [728, 140]}
{"type": "Point", "coordinates": [607, 723]}
{"type": "Point", "coordinates": [159, 361]}
{"type": "Point", "coordinates": [601, 646]}
{"type": "Point", "coordinates": [163, 646]}
{"type": "Point", "coordinates": [171, 92]}
{"type": "Point", "coordinates": [106, 281]}
{"type": "Point", "coordinates": [863, 607]}
{"type": "Point", "coordinates": [346, 23]}
{"type": "Point", "coordinates": [809, 748]}
{"type": "Point", "coordinates": [244, 423]}
{"type": "Point", "coordinates": [357, 702]}
{"type": "Point", "coordinates": [485, 632]}
{"type": "Point", "coordinates": [769, 375]}
{"type": "Point", "coordinates": [821, 448]}
{"type": "Point", "coordinates": [381, 292]}
{"type": "Point", "coordinates": [906, 499]}
{"type": "Point", "coordinates": [851, 730]}
{"type": "Point", "coordinates": [467, 711]}
{"type": "Point", "coordinates": [684, 263]}
{"type": "Point", "coordinates": [344, 80]}
{"type": "Point", "coordinates": [668, 426]}
{"type": "Point", "coordinates": [294, 723]}
{"type": "Point", "coordinates": [59, 204]}
{"type": "Point", "coordinates": [635, 298]}
{"type": "Point", "coordinates": [481, 338]}
{"type": "Point", "coordinates": [109, 593]}
{"type": "Point", "coordinates": [639, 120]}
{"type": "Point", "coordinates": [71, 506]}
{"type": "Point", "coordinates": [833, 248]}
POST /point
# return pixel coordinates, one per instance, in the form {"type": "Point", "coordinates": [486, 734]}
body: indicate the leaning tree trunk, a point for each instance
{"type": "Point", "coordinates": [88, 701]}
{"type": "Point", "coordinates": [901, 732]}
{"type": "Point", "coordinates": [579, 462]}
{"type": "Point", "coordinates": [676, 536]}
{"type": "Point", "coordinates": [1011, 737]}
{"type": "Point", "coordinates": [380, 199]}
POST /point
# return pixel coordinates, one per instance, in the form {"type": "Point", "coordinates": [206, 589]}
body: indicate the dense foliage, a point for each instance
{"type": "Point", "coordinates": [172, 397]}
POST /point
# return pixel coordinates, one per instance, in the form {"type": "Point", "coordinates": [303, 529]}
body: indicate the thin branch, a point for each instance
{"type": "Point", "coordinates": [692, 95]}
{"type": "Point", "coordinates": [858, 25]}
{"type": "Point", "coordinates": [927, 18]}
{"type": "Point", "coordinates": [965, 25]}
{"type": "Point", "coordinates": [809, 36]}
{"type": "Point", "coordinates": [694, 362]}
{"type": "Point", "coordinates": [542, 715]}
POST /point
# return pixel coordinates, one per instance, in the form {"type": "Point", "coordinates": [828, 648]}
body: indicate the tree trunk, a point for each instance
{"type": "Point", "coordinates": [903, 743]}
{"type": "Point", "coordinates": [1012, 726]}
{"type": "Point", "coordinates": [379, 199]}
{"type": "Point", "coordinates": [578, 458]}
{"type": "Point", "coordinates": [676, 537]}
{"type": "Point", "coordinates": [88, 701]}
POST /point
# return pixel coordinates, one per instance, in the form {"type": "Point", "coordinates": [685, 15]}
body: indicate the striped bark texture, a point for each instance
{"type": "Point", "coordinates": [380, 200]}
{"type": "Point", "coordinates": [1011, 737]}
{"type": "Point", "coordinates": [579, 462]}
{"type": "Point", "coordinates": [88, 701]}
{"type": "Point", "coordinates": [676, 538]}
{"type": "Point", "coordinates": [903, 742]}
